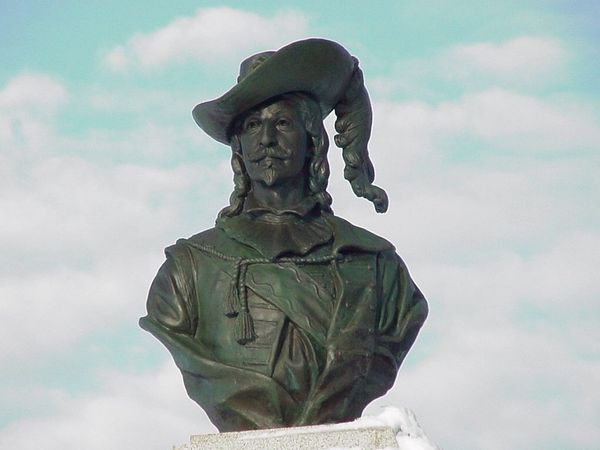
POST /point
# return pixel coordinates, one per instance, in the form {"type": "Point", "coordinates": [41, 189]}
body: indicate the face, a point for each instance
{"type": "Point", "coordinates": [274, 144]}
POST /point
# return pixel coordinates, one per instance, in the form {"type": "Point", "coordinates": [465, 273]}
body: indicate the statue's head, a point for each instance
{"type": "Point", "coordinates": [273, 121]}
{"type": "Point", "coordinates": [278, 140]}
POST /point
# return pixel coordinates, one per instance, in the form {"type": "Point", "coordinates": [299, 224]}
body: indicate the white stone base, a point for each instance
{"type": "Point", "coordinates": [392, 430]}
{"type": "Point", "coordinates": [316, 437]}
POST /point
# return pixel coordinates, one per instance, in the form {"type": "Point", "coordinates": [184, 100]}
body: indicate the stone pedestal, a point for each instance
{"type": "Point", "coordinates": [341, 436]}
{"type": "Point", "coordinates": [393, 429]}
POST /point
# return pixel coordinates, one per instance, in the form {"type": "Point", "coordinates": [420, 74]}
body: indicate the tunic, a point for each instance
{"type": "Point", "coordinates": [331, 314]}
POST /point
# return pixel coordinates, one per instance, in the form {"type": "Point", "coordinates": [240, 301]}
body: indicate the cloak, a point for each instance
{"type": "Point", "coordinates": [332, 313]}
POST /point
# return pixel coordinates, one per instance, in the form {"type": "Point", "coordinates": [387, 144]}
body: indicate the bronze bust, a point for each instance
{"type": "Point", "coordinates": [284, 314]}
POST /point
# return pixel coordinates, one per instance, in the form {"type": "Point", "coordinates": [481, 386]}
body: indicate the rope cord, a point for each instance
{"type": "Point", "coordinates": [236, 302]}
{"type": "Point", "coordinates": [248, 261]}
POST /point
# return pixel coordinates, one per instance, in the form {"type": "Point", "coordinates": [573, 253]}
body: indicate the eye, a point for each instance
{"type": "Point", "coordinates": [284, 124]}
{"type": "Point", "coordinates": [251, 124]}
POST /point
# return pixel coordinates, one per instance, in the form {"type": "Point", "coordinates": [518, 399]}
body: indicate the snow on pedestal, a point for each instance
{"type": "Point", "coordinates": [403, 422]}
{"type": "Point", "coordinates": [392, 429]}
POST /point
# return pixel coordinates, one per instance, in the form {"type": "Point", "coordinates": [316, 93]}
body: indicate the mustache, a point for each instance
{"type": "Point", "coordinates": [275, 152]}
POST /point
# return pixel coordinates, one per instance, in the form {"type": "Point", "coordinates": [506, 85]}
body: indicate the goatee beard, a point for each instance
{"type": "Point", "coordinates": [269, 176]}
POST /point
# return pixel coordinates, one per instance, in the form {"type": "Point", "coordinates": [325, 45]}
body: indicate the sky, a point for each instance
{"type": "Point", "coordinates": [486, 138]}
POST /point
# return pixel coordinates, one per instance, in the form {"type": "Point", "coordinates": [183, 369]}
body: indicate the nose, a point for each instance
{"type": "Point", "coordinates": [268, 137]}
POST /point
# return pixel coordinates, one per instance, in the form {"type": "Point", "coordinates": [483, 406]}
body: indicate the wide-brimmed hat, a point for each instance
{"type": "Point", "coordinates": [317, 67]}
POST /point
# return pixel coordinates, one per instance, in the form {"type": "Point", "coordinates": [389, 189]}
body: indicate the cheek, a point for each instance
{"type": "Point", "coordinates": [299, 144]}
{"type": "Point", "coordinates": [245, 145]}
{"type": "Point", "coordinates": [298, 162]}
{"type": "Point", "coordinates": [306, 150]}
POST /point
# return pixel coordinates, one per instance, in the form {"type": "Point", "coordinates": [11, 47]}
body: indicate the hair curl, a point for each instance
{"type": "Point", "coordinates": [354, 119]}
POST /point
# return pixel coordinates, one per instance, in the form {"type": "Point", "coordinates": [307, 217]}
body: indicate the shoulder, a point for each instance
{"type": "Point", "coordinates": [189, 258]}
{"type": "Point", "coordinates": [349, 236]}
{"type": "Point", "coordinates": [212, 236]}
{"type": "Point", "coordinates": [213, 242]}
{"type": "Point", "coordinates": [208, 238]}
{"type": "Point", "coordinates": [185, 249]}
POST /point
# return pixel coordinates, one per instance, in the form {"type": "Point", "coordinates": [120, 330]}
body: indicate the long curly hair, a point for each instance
{"type": "Point", "coordinates": [317, 165]}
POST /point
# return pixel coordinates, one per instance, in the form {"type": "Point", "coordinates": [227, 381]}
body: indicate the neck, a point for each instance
{"type": "Point", "coordinates": [281, 196]}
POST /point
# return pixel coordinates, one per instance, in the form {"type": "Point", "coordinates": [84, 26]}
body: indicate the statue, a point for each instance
{"type": "Point", "coordinates": [284, 314]}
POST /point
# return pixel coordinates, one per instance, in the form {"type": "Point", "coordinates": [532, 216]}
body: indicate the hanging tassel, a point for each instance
{"type": "Point", "coordinates": [244, 328]}
{"type": "Point", "coordinates": [231, 305]}
{"type": "Point", "coordinates": [232, 300]}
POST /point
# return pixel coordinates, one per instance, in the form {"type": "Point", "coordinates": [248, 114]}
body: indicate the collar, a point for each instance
{"type": "Point", "coordinates": [301, 209]}
{"type": "Point", "coordinates": [284, 234]}
{"type": "Point", "coordinates": [297, 230]}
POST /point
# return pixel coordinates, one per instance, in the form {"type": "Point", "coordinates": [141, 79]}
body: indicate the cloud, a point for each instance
{"type": "Point", "coordinates": [33, 91]}
{"type": "Point", "coordinates": [526, 57]}
{"type": "Point", "coordinates": [472, 143]}
{"type": "Point", "coordinates": [28, 105]}
{"type": "Point", "coordinates": [522, 120]}
{"type": "Point", "coordinates": [502, 120]}
{"type": "Point", "coordinates": [211, 35]}
{"type": "Point", "coordinates": [468, 172]}
{"type": "Point", "coordinates": [524, 382]}
{"type": "Point", "coordinates": [82, 239]}
{"type": "Point", "coordinates": [526, 63]}
{"type": "Point", "coordinates": [81, 243]}
{"type": "Point", "coordinates": [130, 410]}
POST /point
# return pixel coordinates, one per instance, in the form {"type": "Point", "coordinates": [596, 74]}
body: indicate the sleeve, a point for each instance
{"type": "Point", "coordinates": [171, 299]}
{"type": "Point", "coordinates": [403, 308]}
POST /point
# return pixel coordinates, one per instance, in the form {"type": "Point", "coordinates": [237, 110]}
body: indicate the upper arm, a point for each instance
{"type": "Point", "coordinates": [171, 299]}
{"type": "Point", "coordinates": [403, 306]}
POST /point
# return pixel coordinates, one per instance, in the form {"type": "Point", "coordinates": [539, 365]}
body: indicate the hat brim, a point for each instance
{"type": "Point", "coordinates": [318, 67]}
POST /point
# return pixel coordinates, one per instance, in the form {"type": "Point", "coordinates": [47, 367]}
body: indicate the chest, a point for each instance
{"type": "Point", "coordinates": [331, 304]}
